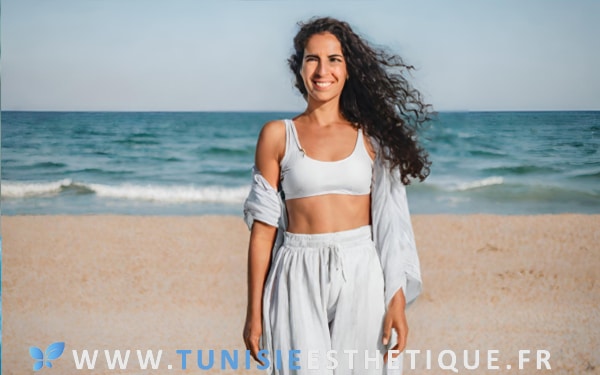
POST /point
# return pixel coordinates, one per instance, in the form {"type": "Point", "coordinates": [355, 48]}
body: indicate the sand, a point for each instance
{"type": "Point", "coordinates": [504, 283]}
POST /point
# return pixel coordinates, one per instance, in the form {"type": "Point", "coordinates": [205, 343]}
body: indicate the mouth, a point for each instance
{"type": "Point", "coordinates": [322, 85]}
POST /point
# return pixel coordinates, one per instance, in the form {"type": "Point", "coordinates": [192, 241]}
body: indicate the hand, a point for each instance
{"type": "Point", "coordinates": [252, 333]}
{"type": "Point", "coordinates": [395, 318]}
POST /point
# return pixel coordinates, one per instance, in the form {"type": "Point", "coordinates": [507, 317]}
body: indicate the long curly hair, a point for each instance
{"type": "Point", "coordinates": [377, 96]}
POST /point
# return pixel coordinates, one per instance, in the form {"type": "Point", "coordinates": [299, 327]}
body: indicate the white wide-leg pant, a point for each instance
{"type": "Point", "coordinates": [324, 298]}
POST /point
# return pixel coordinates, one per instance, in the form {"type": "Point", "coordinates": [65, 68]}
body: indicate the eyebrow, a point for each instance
{"type": "Point", "coordinates": [332, 55]}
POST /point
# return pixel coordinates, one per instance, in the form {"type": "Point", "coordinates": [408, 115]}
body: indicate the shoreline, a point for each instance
{"type": "Point", "coordinates": [491, 282]}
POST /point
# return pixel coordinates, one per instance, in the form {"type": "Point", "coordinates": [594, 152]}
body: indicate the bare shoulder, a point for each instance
{"type": "Point", "coordinates": [269, 150]}
{"type": "Point", "coordinates": [271, 139]}
{"type": "Point", "coordinates": [273, 130]}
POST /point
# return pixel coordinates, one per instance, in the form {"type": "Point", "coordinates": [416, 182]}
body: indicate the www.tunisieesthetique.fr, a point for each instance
{"type": "Point", "coordinates": [454, 361]}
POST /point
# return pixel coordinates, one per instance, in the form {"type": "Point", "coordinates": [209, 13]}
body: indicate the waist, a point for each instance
{"type": "Point", "coordinates": [328, 213]}
{"type": "Point", "coordinates": [344, 238]}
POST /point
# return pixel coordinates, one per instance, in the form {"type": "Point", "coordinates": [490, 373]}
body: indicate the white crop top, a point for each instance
{"type": "Point", "coordinates": [302, 176]}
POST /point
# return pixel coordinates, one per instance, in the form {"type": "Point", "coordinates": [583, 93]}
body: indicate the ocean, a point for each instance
{"type": "Point", "coordinates": [197, 163]}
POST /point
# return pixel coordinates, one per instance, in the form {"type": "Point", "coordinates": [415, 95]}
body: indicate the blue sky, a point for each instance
{"type": "Point", "coordinates": [231, 55]}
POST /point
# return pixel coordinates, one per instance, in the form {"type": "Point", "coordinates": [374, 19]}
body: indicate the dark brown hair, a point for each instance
{"type": "Point", "coordinates": [377, 96]}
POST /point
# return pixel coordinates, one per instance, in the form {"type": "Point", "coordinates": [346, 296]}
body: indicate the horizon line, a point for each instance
{"type": "Point", "coordinates": [272, 111]}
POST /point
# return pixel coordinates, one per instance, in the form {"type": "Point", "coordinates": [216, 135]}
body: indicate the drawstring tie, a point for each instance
{"type": "Point", "coordinates": [335, 260]}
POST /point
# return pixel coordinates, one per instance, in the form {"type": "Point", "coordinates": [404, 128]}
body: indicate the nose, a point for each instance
{"type": "Point", "coordinates": [322, 68]}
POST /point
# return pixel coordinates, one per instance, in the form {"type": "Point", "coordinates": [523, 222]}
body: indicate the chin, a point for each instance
{"type": "Point", "coordinates": [324, 97]}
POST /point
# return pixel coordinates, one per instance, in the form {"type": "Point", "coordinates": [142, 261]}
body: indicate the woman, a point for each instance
{"type": "Point", "coordinates": [332, 262]}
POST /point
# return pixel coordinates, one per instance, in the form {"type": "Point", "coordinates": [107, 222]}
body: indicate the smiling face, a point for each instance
{"type": "Point", "coordinates": [323, 68]}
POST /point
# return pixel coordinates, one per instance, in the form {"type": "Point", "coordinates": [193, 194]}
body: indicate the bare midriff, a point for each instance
{"type": "Point", "coordinates": [328, 213]}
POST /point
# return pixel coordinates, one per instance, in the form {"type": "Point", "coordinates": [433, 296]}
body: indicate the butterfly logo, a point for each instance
{"type": "Point", "coordinates": [53, 352]}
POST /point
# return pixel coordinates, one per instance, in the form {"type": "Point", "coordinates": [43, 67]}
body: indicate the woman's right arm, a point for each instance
{"type": "Point", "coordinates": [269, 151]}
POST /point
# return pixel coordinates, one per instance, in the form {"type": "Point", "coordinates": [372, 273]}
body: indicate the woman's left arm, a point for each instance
{"type": "Point", "coordinates": [395, 318]}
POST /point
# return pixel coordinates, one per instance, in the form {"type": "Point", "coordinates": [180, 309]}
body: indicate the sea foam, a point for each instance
{"type": "Point", "coordinates": [17, 189]}
{"type": "Point", "coordinates": [149, 192]}
{"type": "Point", "coordinates": [172, 194]}
{"type": "Point", "coordinates": [489, 181]}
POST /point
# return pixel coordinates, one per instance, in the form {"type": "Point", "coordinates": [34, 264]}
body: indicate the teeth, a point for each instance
{"type": "Point", "coordinates": [323, 84]}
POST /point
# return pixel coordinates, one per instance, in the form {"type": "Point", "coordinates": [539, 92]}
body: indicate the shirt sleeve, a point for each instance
{"type": "Point", "coordinates": [263, 202]}
{"type": "Point", "coordinates": [393, 233]}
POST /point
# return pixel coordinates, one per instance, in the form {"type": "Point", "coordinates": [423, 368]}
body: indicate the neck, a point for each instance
{"type": "Point", "coordinates": [324, 113]}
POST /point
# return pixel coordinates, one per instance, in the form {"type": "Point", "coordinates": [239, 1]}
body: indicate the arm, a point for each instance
{"type": "Point", "coordinates": [395, 318]}
{"type": "Point", "coordinates": [269, 150]}
{"type": "Point", "coordinates": [262, 238]}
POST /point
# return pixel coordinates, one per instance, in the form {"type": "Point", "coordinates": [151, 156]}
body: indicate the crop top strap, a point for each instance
{"type": "Point", "coordinates": [292, 146]}
{"type": "Point", "coordinates": [292, 136]}
{"type": "Point", "coordinates": [360, 137]}
{"type": "Point", "coordinates": [361, 145]}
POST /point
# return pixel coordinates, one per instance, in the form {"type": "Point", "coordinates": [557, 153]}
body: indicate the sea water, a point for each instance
{"type": "Point", "coordinates": [195, 163]}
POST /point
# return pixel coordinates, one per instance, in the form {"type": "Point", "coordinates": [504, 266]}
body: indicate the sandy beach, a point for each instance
{"type": "Point", "coordinates": [504, 283]}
